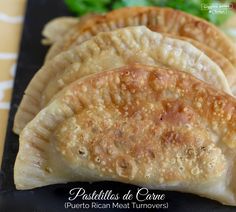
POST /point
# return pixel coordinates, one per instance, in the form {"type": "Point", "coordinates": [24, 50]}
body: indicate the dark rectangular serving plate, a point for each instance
{"type": "Point", "coordinates": [53, 198]}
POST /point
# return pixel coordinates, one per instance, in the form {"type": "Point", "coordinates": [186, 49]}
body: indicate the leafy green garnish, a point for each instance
{"type": "Point", "coordinates": [81, 7]}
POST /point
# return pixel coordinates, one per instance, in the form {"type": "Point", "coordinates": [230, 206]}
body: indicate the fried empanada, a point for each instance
{"type": "Point", "coordinates": [110, 50]}
{"type": "Point", "coordinates": [56, 29]}
{"type": "Point", "coordinates": [157, 19]}
{"type": "Point", "coordinates": [149, 126]}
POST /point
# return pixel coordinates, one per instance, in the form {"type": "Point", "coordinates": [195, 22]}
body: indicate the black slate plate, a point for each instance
{"type": "Point", "coordinates": [53, 198]}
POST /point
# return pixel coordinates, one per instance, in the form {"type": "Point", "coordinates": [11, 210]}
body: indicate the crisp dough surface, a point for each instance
{"type": "Point", "coordinates": [164, 20]}
{"type": "Point", "coordinates": [149, 126]}
{"type": "Point", "coordinates": [110, 50]}
{"type": "Point", "coordinates": [225, 65]}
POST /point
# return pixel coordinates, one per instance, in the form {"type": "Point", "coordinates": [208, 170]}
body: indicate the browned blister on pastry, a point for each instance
{"type": "Point", "coordinates": [110, 50]}
{"type": "Point", "coordinates": [150, 126]}
{"type": "Point", "coordinates": [164, 20]}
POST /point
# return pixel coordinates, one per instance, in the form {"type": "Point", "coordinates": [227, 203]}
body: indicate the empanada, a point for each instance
{"type": "Point", "coordinates": [54, 30]}
{"type": "Point", "coordinates": [162, 129]}
{"type": "Point", "coordinates": [57, 28]}
{"type": "Point", "coordinates": [110, 50]}
{"type": "Point", "coordinates": [157, 19]}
